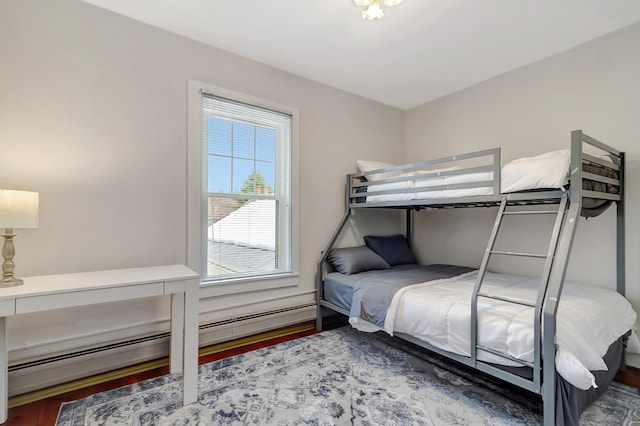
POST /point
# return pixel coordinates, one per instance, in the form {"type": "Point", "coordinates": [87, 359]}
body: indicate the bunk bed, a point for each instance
{"type": "Point", "coordinates": [376, 284]}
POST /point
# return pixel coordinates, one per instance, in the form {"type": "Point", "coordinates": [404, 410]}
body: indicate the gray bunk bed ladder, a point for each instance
{"type": "Point", "coordinates": [552, 256]}
{"type": "Point", "coordinates": [544, 280]}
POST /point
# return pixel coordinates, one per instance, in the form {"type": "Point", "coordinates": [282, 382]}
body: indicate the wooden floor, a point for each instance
{"type": "Point", "coordinates": [44, 412]}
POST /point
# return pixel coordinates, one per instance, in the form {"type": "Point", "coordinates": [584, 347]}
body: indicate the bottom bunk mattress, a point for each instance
{"type": "Point", "coordinates": [339, 288]}
{"type": "Point", "coordinates": [432, 303]}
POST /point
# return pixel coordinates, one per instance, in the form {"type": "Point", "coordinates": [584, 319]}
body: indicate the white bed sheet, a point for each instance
{"type": "Point", "coordinates": [589, 320]}
{"type": "Point", "coordinates": [549, 170]}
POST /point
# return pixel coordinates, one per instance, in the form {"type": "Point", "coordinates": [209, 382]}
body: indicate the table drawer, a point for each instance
{"type": "Point", "coordinates": [7, 307]}
{"type": "Point", "coordinates": [87, 297]}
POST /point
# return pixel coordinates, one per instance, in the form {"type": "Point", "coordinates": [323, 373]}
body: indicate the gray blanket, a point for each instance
{"type": "Point", "coordinates": [373, 294]}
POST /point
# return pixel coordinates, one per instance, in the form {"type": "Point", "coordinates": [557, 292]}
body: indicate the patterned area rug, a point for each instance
{"type": "Point", "coordinates": [339, 377]}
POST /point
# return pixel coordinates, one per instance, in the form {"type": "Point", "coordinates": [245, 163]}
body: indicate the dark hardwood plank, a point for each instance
{"type": "Point", "coordinates": [26, 415]}
{"type": "Point", "coordinates": [630, 376]}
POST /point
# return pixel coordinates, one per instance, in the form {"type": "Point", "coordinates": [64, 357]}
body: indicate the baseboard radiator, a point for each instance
{"type": "Point", "coordinates": [38, 374]}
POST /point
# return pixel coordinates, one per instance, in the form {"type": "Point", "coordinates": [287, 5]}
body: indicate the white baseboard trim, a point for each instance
{"type": "Point", "coordinates": [32, 378]}
{"type": "Point", "coordinates": [633, 359]}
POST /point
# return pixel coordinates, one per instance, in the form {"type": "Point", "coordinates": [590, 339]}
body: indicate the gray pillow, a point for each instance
{"type": "Point", "coordinates": [393, 249]}
{"type": "Point", "coordinates": [351, 260]}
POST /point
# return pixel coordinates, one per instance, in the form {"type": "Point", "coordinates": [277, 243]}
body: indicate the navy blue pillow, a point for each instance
{"type": "Point", "coordinates": [394, 249]}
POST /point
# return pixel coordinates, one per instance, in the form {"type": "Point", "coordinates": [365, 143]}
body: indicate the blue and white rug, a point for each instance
{"type": "Point", "coordinates": [339, 377]}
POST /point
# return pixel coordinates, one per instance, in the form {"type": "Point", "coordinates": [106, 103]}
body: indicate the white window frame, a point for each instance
{"type": "Point", "coordinates": [197, 197]}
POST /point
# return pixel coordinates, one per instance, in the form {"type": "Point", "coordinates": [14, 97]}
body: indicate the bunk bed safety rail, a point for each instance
{"type": "Point", "coordinates": [362, 185]}
{"type": "Point", "coordinates": [607, 182]}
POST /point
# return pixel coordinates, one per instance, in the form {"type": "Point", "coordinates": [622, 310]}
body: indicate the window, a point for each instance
{"type": "Point", "coordinates": [246, 226]}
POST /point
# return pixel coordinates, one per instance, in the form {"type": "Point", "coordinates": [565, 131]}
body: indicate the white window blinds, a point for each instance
{"type": "Point", "coordinates": [246, 179]}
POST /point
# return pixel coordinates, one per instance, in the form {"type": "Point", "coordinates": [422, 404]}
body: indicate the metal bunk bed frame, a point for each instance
{"type": "Point", "coordinates": [569, 203]}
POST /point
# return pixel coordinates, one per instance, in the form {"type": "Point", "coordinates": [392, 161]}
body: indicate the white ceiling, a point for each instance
{"type": "Point", "coordinates": [420, 51]}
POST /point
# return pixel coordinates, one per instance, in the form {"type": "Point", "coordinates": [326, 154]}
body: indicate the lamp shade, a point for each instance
{"type": "Point", "coordinates": [19, 209]}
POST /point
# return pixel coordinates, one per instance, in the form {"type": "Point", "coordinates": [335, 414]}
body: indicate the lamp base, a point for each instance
{"type": "Point", "coordinates": [8, 251]}
{"type": "Point", "coordinates": [11, 282]}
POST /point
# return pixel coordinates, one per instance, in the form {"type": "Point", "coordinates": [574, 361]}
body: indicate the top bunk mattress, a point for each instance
{"type": "Point", "coordinates": [545, 171]}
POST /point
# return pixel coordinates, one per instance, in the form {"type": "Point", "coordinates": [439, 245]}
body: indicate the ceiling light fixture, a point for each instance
{"type": "Point", "coordinates": [373, 8]}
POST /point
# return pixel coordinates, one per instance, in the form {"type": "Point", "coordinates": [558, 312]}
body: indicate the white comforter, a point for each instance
{"type": "Point", "coordinates": [589, 320]}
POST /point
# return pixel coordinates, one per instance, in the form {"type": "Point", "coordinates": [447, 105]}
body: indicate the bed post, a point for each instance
{"type": "Point", "coordinates": [556, 280]}
{"type": "Point", "coordinates": [620, 233]}
{"type": "Point", "coordinates": [325, 252]}
{"type": "Point", "coordinates": [408, 226]}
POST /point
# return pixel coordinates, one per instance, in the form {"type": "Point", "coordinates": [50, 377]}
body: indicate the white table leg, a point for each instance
{"type": "Point", "coordinates": [177, 333]}
{"type": "Point", "coordinates": [191, 315]}
{"type": "Point", "coordinates": [4, 386]}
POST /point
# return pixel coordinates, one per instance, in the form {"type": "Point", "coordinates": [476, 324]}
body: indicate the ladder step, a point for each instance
{"type": "Point", "coordinates": [531, 212]}
{"type": "Point", "coordinates": [505, 356]}
{"type": "Point", "coordinates": [508, 299]}
{"type": "Point", "coordinates": [513, 253]}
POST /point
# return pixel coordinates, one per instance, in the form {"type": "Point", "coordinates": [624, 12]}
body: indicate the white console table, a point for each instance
{"type": "Point", "coordinates": [49, 292]}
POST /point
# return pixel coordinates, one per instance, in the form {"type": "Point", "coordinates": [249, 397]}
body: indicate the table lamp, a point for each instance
{"type": "Point", "coordinates": [18, 209]}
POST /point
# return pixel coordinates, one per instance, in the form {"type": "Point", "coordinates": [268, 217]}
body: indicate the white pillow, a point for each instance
{"type": "Point", "coordinates": [367, 165]}
{"type": "Point", "coordinates": [548, 170]}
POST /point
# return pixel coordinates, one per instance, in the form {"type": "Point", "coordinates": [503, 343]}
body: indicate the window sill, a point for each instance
{"type": "Point", "coordinates": [247, 284]}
